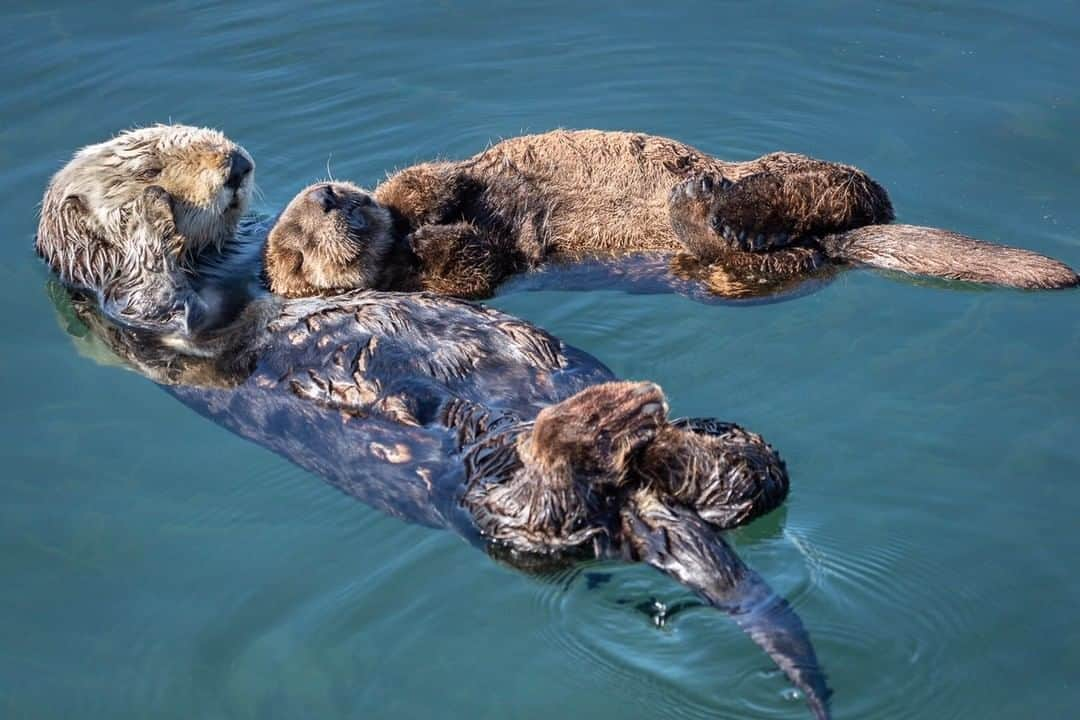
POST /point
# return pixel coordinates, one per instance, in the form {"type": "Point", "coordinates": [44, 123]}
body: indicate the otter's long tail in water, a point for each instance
{"type": "Point", "coordinates": [944, 254]}
{"type": "Point", "coordinates": [678, 542]}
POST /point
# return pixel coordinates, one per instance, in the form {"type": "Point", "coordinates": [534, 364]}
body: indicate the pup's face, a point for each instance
{"type": "Point", "coordinates": [88, 203]}
{"type": "Point", "coordinates": [332, 237]}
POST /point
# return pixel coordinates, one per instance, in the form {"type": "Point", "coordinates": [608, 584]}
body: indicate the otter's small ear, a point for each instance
{"type": "Point", "coordinates": [283, 268]}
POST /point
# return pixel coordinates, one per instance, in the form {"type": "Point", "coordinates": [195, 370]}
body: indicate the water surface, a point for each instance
{"type": "Point", "coordinates": [156, 566]}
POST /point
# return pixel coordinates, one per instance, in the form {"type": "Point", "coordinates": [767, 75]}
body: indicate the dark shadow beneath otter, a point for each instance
{"type": "Point", "coordinates": [678, 274]}
{"type": "Point", "coordinates": [662, 274]}
{"type": "Point", "coordinates": [456, 416]}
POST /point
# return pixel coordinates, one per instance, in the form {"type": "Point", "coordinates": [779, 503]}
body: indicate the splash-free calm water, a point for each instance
{"type": "Point", "coordinates": [153, 565]}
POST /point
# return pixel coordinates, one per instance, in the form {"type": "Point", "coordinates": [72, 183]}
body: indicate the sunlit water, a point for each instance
{"type": "Point", "coordinates": [155, 566]}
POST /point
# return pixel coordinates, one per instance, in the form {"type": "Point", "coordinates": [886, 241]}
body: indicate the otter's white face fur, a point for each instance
{"type": "Point", "coordinates": [331, 237]}
{"type": "Point", "coordinates": [87, 205]}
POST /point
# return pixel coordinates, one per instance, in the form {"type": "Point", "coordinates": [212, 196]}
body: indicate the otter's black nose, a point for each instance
{"type": "Point", "coordinates": [239, 168]}
{"type": "Point", "coordinates": [325, 196]}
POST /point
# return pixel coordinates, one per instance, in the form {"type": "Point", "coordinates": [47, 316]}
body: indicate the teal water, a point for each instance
{"type": "Point", "coordinates": [155, 566]}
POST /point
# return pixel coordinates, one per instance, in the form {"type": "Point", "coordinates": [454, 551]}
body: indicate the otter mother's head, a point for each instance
{"type": "Point", "coordinates": [88, 204]}
{"type": "Point", "coordinates": [126, 218]}
{"type": "Point", "coordinates": [331, 237]}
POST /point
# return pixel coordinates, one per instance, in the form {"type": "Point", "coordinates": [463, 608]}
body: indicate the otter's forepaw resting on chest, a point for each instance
{"type": "Point", "coordinates": [462, 260]}
{"type": "Point", "coordinates": [714, 216]}
{"type": "Point", "coordinates": [544, 487]}
{"type": "Point", "coordinates": [146, 286]}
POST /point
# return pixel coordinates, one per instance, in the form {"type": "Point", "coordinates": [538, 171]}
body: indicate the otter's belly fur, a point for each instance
{"type": "Point", "coordinates": [591, 189]}
{"type": "Point", "coordinates": [609, 190]}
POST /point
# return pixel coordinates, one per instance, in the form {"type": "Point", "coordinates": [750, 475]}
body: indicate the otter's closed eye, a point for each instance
{"type": "Point", "coordinates": [148, 173]}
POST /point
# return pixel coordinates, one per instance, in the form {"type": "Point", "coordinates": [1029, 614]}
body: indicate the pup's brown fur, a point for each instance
{"type": "Point", "coordinates": [461, 227]}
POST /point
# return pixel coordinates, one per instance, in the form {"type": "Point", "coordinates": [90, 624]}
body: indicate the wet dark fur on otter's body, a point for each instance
{"type": "Point", "coordinates": [502, 433]}
{"type": "Point", "coordinates": [460, 228]}
{"type": "Point", "coordinates": [458, 416]}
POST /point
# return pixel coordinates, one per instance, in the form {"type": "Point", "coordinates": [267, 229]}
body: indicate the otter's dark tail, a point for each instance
{"type": "Point", "coordinates": [675, 540]}
{"type": "Point", "coordinates": [944, 254]}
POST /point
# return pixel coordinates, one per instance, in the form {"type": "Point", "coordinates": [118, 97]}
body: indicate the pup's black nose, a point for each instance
{"type": "Point", "coordinates": [239, 168]}
{"type": "Point", "coordinates": [325, 196]}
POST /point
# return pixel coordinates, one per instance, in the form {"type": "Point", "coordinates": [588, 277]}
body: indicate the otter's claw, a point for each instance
{"type": "Point", "coordinates": [714, 217]}
{"type": "Point", "coordinates": [690, 207]}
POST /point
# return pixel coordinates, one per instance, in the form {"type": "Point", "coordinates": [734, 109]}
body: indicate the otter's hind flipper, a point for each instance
{"type": "Point", "coordinates": [940, 253]}
{"type": "Point", "coordinates": [679, 543]}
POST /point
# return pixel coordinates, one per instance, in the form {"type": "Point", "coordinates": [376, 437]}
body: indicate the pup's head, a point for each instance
{"type": "Point", "coordinates": [332, 237]}
{"type": "Point", "coordinates": [87, 206]}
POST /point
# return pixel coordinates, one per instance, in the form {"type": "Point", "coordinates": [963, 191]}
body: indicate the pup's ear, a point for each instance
{"type": "Point", "coordinates": [282, 266]}
{"type": "Point", "coordinates": [69, 240]}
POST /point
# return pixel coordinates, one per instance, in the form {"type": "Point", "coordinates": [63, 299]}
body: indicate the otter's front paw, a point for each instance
{"type": "Point", "coordinates": [153, 210]}
{"type": "Point", "coordinates": [690, 202]}
{"type": "Point", "coordinates": [690, 206]}
{"type": "Point", "coordinates": [753, 214]}
{"type": "Point", "coordinates": [427, 240]}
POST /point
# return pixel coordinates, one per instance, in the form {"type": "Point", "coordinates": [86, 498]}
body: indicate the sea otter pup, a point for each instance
{"type": "Point", "coordinates": [460, 228]}
{"type": "Point", "coordinates": [451, 415]}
